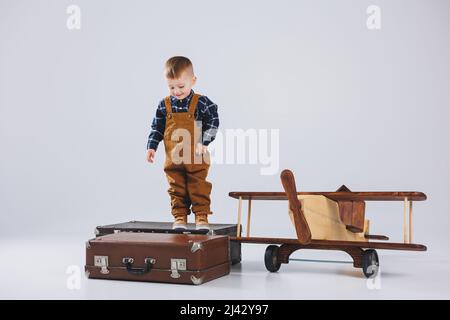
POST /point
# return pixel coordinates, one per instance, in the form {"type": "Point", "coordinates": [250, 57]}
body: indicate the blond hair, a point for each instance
{"type": "Point", "coordinates": [175, 67]}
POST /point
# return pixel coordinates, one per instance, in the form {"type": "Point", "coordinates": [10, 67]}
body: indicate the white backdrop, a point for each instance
{"type": "Point", "coordinates": [365, 108]}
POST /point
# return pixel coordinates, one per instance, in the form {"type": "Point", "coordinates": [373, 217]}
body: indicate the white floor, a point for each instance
{"type": "Point", "coordinates": [53, 269]}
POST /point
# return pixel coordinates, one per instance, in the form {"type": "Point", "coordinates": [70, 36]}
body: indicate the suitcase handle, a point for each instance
{"type": "Point", "coordinates": [149, 262]}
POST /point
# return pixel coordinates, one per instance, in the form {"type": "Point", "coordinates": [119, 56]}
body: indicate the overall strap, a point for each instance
{"type": "Point", "coordinates": [168, 105]}
{"type": "Point", "coordinates": [193, 103]}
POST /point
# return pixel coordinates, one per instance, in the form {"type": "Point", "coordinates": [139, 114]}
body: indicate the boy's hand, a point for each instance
{"type": "Point", "coordinates": [200, 149]}
{"type": "Point", "coordinates": [150, 155]}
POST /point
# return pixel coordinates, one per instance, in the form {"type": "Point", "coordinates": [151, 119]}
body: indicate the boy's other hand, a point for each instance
{"type": "Point", "coordinates": [151, 155]}
{"type": "Point", "coordinates": [201, 149]}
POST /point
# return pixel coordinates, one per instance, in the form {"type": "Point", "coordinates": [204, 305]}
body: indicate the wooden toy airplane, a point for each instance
{"type": "Point", "coordinates": [329, 221]}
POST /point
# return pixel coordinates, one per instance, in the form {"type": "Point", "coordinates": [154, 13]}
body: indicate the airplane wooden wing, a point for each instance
{"type": "Point", "coordinates": [337, 195]}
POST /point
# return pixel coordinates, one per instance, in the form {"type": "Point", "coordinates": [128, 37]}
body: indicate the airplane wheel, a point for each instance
{"type": "Point", "coordinates": [370, 263]}
{"type": "Point", "coordinates": [271, 258]}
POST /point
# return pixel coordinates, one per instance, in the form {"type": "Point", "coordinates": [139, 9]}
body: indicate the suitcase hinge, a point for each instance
{"type": "Point", "coordinates": [177, 265]}
{"type": "Point", "coordinates": [102, 262]}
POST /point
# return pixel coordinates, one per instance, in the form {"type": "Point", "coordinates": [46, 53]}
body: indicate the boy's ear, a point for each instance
{"type": "Point", "coordinates": [194, 80]}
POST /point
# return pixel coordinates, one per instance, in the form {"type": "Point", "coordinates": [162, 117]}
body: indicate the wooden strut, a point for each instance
{"type": "Point", "coordinates": [405, 218]}
{"type": "Point", "coordinates": [239, 218]}
{"type": "Point", "coordinates": [410, 220]}
{"type": "Point", "coordinates": [248, 216]}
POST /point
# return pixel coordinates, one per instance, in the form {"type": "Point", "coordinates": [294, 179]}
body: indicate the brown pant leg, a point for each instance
{"type": "Point", "coordinates": [179, 198]}
{"type": "Point", "coordinates": [199, 189]}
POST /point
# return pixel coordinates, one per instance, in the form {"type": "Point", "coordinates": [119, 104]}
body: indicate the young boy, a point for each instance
{"type": "Point", "coordinates": [194, 119]}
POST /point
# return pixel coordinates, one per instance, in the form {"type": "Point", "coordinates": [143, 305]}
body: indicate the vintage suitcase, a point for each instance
{"type": "Point", "coordinates": [166, 227]}
{"type": "Point", "coordinates": [157, 257]}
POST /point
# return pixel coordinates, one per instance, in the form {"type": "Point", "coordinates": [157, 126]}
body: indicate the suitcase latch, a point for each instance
{"type": "Point", "coordinates": [177, 265]}
{"type": "Point", "coordinates": [102, 262]}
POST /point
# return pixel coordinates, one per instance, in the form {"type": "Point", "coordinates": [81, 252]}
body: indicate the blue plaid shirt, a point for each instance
{"type": "Point", "coordinates": [206, 112]}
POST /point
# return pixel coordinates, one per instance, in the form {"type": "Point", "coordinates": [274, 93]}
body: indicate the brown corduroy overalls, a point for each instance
{"type": "Point", "coordinates": [187, 178]}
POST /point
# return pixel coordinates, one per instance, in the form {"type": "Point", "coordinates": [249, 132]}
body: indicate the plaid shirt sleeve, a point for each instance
{"type": "Point", "coordinates": [210, 119]}
{"type": "Point", "coordinates": [158, 127]}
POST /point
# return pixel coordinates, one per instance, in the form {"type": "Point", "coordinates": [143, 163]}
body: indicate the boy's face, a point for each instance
{"type": "Point", "coordinates": [181, 87]}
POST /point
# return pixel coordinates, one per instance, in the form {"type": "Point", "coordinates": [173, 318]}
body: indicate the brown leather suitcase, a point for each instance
{"type": "Point", "coordinates": [157, 257]}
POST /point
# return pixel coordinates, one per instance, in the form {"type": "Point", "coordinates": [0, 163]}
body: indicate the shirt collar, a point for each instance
{"type": "Point", "coordinates": [187, 99]}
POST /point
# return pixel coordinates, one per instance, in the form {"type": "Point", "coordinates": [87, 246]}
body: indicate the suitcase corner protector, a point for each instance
{"type": "Point", "coordinates": [196, 281]}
